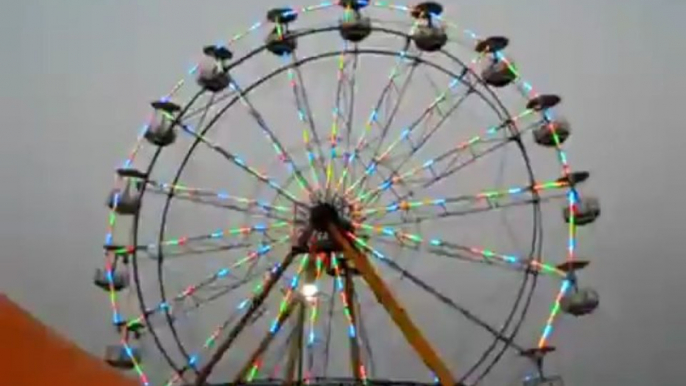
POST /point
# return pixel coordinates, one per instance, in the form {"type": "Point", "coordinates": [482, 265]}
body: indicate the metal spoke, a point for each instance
{"type": "Point", "coordinates": [194, 359]}
{"type": "Point", "coordinates": [225, 272]}
{"type": "Point", "coordinates": [490, 198]}
{"type": "Point", "coordinates": [431, 164]}
{"type": "Point", "coordinates": [373, 116]}
{"type": "Point", "coordinates": [304, 114]}
{"type": "Point", "coordinates": [436, 294]}
{"type": "Point", "coordinates": [222, 199]}
{"type": "Point", "coordinates": [185, 244]}
{"type": "Point", "coordinates": [281, 151]}
{"type": "Point", "coordinates": [240, 163]}
{"type": "Point", "coordinates": [405, 135]}
{"type": "Point", "coordinates": [345, 85]}
{"type": "Point", "coordinates": [365, 338]}
{"type": "Point", "coordinates": [472, 211]}
{"type": "Point", "coordinates": [445, 248]}
{"type": "Point", "coordinates": [242, 323]}
{"type": "Point", "coordinates": [330, 312]}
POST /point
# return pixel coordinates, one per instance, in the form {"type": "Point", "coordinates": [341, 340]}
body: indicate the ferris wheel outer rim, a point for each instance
{"type": "Point", "coordinates": [392, 53]}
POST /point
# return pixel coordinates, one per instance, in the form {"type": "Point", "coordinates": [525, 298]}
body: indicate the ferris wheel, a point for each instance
{"type": "Point", "coordinates": [314, 170]}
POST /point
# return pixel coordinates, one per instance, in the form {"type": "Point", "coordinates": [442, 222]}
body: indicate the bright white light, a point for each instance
{"type": "Point", "coordinates": [309, 291]}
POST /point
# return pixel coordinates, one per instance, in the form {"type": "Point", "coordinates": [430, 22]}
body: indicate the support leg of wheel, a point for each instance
{"type": "Point", "coordinates": [412, 334]}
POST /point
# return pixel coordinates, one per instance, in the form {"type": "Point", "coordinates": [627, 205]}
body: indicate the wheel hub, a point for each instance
{"type": "Point", "coordinates": [322, 215]}
{"type": "Point", "coordinates": [337, 212]}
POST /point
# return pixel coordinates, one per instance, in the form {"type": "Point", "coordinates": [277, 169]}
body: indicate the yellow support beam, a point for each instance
{"type": "Point", "coordinates": [409, 330]}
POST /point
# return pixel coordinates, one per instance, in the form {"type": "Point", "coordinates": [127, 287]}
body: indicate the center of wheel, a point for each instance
{"type": "Point", "coordinates": [323, 214]}
{"type": "Point", "coordinates": [334, 210]}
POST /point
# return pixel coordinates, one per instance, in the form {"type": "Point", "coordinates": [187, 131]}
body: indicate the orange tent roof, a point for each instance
{"type": "Point", "coordinates": [31, 354]}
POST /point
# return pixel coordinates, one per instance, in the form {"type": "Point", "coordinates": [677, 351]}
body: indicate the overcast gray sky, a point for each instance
{"type": "Point", "coordinates": [77, 77]}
